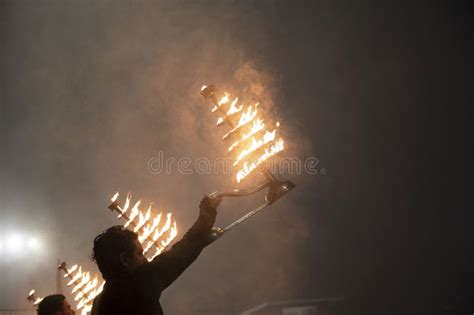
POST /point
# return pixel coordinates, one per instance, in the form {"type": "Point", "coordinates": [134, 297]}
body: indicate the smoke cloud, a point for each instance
{"type": "Point", "coordinates": [100, 88]}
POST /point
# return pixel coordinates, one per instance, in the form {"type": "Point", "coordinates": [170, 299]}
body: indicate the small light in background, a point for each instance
{"type": "Point", "coordinates": [33, 243]}
{"type": "Point", "coordinates": [14, 243]}
{"type": "Point", "coordinates": [18, 244]}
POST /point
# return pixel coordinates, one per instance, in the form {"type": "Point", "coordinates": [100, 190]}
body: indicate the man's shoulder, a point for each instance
{"type": "Point", "coordinates": [95, 305]}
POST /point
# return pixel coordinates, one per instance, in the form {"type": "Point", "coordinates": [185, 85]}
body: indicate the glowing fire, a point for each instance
{"type": "Point", "coordinates": [33, 298]}
{"type": "Point", "coordinates": [84, 286]}
{"type": "Point", "coordinates": [154, 232]}
{"type": "Point", "coordinates": [252, 142]}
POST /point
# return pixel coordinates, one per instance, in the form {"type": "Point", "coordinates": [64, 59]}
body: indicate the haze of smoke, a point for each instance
{"type": "Point", "coordinates": [100, 98]}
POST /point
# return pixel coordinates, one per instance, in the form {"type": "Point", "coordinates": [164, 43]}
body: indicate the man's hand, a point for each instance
{"type": "Point", "coordinates": [209, 204]}
{"type": "Point", "coordinates": [208, 208]}
{"type": "Point", "coordinates": [214, 201]}
{"type": "Point", "coordinates": [208, 211]}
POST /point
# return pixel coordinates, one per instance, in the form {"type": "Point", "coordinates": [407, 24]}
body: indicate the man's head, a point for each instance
{"type": "Point", "coordinates": [55, 304]}
{"type": "Point", "coordinates": [117, 251]}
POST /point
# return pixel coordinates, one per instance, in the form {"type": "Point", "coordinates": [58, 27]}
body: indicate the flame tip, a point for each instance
{"type": "Point", "coordinates": [114, 197]}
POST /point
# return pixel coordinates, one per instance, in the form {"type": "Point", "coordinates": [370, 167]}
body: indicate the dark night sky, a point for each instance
{"type": "Point", "coordinates": [379, 92]}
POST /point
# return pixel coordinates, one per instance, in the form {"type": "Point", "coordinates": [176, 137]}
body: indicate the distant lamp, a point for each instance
{"type": "Point", "coordinates": [14, 243]}
{"type": "Point", "coordinates": [33, 243]}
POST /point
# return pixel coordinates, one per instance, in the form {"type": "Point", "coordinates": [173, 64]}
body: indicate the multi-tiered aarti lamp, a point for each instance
{"type": "Point", "coordinates": [251, 143]}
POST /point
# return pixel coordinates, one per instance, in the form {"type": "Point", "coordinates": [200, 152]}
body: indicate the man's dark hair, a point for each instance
{"type": "Point", "coordinates": [109, 245]}
{"type": "Point", "coordinates": [51, 304]}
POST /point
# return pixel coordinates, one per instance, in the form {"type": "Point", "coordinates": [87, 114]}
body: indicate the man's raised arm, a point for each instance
{"type": "Point", "coordinates": [166, 267]}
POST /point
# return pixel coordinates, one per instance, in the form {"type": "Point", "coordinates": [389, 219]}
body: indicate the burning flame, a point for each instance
{"type": "Point", "coordinates": [253, 143]}
{"type": "Point", "coordinates": [84, 287]}
{"type": "Point", "coordinates": [33, 298]}
{"type": "Point", "coordinates": [250, 167]}
{"type": "Point", "coordinates": [114, 197]}
{"type": "Point", "coordinates": [154, 233]}
{"type": "Point", "coordinates": [231, 111]}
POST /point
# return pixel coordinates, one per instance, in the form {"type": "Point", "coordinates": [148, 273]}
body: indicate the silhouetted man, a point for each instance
{"type": "Point", "coordinates": [55, 304]}
{"type": "Point", "coordinates": [134, 285]}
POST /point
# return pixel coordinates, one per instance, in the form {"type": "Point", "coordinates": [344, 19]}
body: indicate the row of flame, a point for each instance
{"type": "Point", "coordinates": [153, 234]}
{"type": "Point", "coordinates": [248, 134]}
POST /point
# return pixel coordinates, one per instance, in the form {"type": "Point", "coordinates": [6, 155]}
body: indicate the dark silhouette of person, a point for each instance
{"type": "Point", "coordinates": [55, 304]}
{"type": "Point", "coordinates": [132, 284]}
